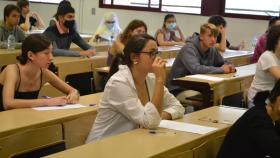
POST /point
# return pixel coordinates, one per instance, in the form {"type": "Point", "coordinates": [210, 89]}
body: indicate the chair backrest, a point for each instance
{"type": "Point", "coordinates": [235, 100]}
{"type": "Point", "coordinates": [184, 154]}
{"type": "Point", "coordinates": [209, 149]}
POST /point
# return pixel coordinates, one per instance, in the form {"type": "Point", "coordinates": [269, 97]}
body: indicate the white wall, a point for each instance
{"type": "Point", "coordinates": [237, 30]}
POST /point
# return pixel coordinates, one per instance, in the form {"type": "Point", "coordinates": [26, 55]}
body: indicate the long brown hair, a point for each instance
{"type": "Point", "coordinates": [34, 43]}
{"type": "Point", "coordinates": [134, 45]}
{"type": "Point", "coordinates": [134, 24]}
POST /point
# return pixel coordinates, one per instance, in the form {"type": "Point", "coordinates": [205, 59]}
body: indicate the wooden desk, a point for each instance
{"type": "Point", "coordinates": [168, 51]}
{"type": "Point", "coordinates": [8, 56]}
{"type": "Point", "coordinates": [231, 84]}
{"type": "Point", "coordinates": [238, 58]}
{"type": "Point", "coordinates": [24, 129]}
{"type": "Point", "coordinates": [140, 143]}
{"type": "Point", "coordinates": [75, 65]}
{"type": "Point", "coordinates": [99, 47]}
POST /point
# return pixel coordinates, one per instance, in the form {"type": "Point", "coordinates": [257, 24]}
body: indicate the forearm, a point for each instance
{"type": "Point", "coordinates": [157, 99]}
{"type": "Point", "coordinates": [24, 103]}
{"type": "Point", "coordinates": [63, 52]}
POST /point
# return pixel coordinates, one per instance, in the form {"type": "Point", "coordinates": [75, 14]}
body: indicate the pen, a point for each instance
{"type": "Point", "coordinates": [155, 132]}
{"type": "Point", "coordinates": [46, 97]}
{"type": "Point", "coordinates": [92, 104]}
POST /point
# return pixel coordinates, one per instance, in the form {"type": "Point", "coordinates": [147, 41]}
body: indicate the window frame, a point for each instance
{"type": "Point", "coordinates": [208, 8]}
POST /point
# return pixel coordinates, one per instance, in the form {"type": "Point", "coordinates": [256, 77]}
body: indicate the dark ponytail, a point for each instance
{"type": "Point", "coordinates": [134, 45]}
{"type": "Point", "coordinates": [261, 97]}
{"type": "Point", "coordinates": [34, 43]}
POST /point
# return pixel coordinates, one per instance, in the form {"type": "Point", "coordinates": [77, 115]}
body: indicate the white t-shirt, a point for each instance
{"type": "Point", "coordinates": [263, 79]}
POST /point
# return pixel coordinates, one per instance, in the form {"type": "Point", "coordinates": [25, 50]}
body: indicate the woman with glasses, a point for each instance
{"type": "Point", "coordinates": [108, 29]}
{"type": "Point", "coordinates": [135, 27]}
{"type": "Point", "coordinates": [166, 36]}
{"type": "Point", "coordinates": [133, 96]}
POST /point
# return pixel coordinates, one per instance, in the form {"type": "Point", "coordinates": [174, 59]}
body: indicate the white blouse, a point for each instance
{"type": "Point", "coordinates": [121, 110]}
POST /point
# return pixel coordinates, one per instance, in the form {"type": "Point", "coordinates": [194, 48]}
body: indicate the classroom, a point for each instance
{"type": "Point", "coordinates": [139, 78]}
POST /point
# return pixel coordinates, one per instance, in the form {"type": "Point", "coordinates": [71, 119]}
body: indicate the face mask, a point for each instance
{"type": "Point", "coordinates": [69, 23]}
{"type": "Point", "coordinates": [110, 26]}
{"type": "Point", "coordinates": [171, 26]}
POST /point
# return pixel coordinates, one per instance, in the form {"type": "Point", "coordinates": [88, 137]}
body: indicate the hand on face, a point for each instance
{"type": "Point", "coordinates": [158, 67]}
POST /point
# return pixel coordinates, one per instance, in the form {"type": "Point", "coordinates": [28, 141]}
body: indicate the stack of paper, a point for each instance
{"type": "Point", "coordinates": [68, 106]}
{"type": "Point", "coordinates": [206, 77]}
{"type": "Point", "coordinates": [186, 127]}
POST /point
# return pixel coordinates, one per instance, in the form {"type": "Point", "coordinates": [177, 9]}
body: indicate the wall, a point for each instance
{"type": "Point", "coordinates": [237, 30]}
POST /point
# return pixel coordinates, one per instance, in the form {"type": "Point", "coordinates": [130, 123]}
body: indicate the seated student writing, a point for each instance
{"type": "Point", "coordinates": [63, 34]}
{"type": "Point", "coordinates": [20, 83]}
{"type": "Point", "coordinates": [222, 42]}
{"type": "Point", "coordinates": [135, 27]}
{"type": "Point", "coordinates": [166, 36]}
{"type": "Point", "coordinates": [10, 26]}
{"type": "Point", "coordinates": [268, 66]}
{"type": "Point", "coordinates": [256, 133]}
{"type": "Point", "coordinates": [29, 19]}
{"type": "Point", "coordinates": [108, 28]}
{"type": "Point", "coordinates": [199, 56]}
{"type": "Point", "coordinates": [133, 98]}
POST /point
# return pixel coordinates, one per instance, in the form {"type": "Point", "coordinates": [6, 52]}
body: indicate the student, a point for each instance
{"type": "Point", "coordinates": [53, 21]}
{"type": "Point", "coordinates": [63, 34]}
{"type": "Point", "coordinates": [199, 56]}
{"type": "Point", "coordinates": [135, 27]}
{"type": "Point", "coordinates": [133, 98]}
{"type": "Point", "coordinates": [108, 29]}
{"type": "Point", "coordinates": [28, 18]}
{"type": "Point", "coordinates": [166, 36]}
{"type": "Point", "coordinates": [261, 43]}
{"type": "Point", "coordinates": [20, 83]}
{"type": "Point", "coordinates": [268, 66]}
{"type": "Point", "coordinates": [257, 133]}
{"type": "Point", "coordinates": [9, 25]}
{"type": "Point", "coordinates": [222, 42]}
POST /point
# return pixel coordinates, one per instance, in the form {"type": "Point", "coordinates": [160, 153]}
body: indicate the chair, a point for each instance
{"type": "Point", "coordinates": [209, 149]}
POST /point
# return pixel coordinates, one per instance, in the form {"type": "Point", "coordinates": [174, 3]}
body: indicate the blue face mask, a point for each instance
{"type": "Point", "coordinates": [110, 26]}
{"type": "Point", "coordinates": [171, 26]}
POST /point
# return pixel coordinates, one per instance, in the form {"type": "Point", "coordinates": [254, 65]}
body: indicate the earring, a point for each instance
{"type": "Point", "coordinates": [135, 62]}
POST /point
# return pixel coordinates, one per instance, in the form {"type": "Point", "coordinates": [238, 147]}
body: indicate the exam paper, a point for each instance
{"type": "Point", "coordinates": [186, 127]}
{"type": "Point", "coordinates": [206, 77]}
{"type": "Point", "coordinates": [68, 106]}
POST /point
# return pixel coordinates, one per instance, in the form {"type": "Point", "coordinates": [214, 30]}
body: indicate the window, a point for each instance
{"type": "Point", "coordinates": [253, 7]}
{"type": "Point", "coordinates": [46, 1]}
{"type": "Point", "coordinates": [178, 6]}
{"type": "Point", "coordinates": [181, 6]}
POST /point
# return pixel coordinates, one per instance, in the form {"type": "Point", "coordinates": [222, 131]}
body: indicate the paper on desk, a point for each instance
{"type": "Point", "coordinates": [206, 77]}
{"type": "Point", "coordinates": [68, 106]}
{"type": "Point", "coordinates": [186, 127]}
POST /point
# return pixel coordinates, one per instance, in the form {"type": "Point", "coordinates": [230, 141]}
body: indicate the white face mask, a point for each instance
{"type": "Point", "coordinates": [171, 26]}
{"type": "Point", "coordinates": [110, 26]}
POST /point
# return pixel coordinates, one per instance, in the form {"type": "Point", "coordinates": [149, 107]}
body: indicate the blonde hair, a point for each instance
{"type": "Point", "coordinates": [208, 26]}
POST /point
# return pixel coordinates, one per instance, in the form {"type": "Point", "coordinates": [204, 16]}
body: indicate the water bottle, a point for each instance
{"type": "Point", "coordinates": [11, 42]}
{"type": "Point", "coordinates": [254, 42]}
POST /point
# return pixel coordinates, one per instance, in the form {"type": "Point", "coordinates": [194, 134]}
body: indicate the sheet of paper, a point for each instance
{"type": "Point", "coordinates": [68, 106]}
{"type": "Point", "coordinates": [206, 77]}
{"type": "Point", "coordinates": [186, 127]}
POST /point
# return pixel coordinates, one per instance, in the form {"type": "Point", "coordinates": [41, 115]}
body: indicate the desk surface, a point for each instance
{"type": "Point", "coordinates": [241, 72]}
{"type": "Point", "coordinates": [139, 143]}
{"type": "Point", "coordinates": [20, 119]}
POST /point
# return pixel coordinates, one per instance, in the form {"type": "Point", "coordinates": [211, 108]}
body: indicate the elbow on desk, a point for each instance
{"type": "Point", "coordinates": [151, 123]}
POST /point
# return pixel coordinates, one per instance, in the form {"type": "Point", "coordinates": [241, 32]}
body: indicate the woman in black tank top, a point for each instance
{"type": "Point", "coordinates": [20, 83]}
